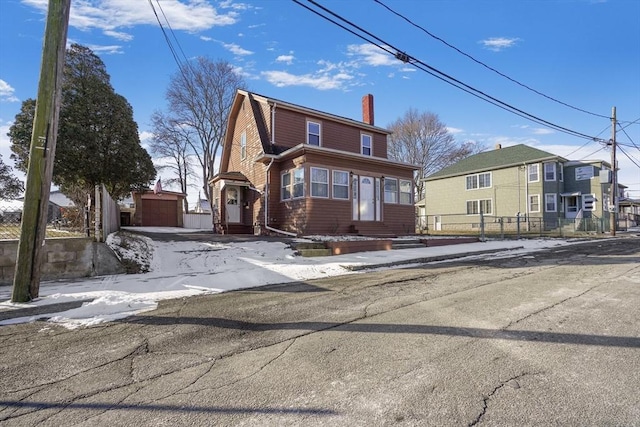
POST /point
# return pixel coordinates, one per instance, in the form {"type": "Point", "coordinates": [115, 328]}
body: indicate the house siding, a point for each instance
{"type": "Point", "coordinates": [339, 151]}
{"type": "Point", "coordinates": [511, 190]}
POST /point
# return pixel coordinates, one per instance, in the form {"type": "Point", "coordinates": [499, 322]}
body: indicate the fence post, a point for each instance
{"type": "Point", "coordinates": [540, 225]}
{"type": "Point", "coordinates": [482, 239]}
{"type": "Point", "coordinates": [518, 225]}
{"type": "Point", "coordinates": [501, 227]}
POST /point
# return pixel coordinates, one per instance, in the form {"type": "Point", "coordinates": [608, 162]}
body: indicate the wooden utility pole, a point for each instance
{"type": "Point", "coordinates": [613, 211]}
{"type": "Point", "coordinates": [26, 281]}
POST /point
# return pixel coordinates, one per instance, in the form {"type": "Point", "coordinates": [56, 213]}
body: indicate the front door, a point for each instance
{"type": "Point", "coordinates": [571, 206]}
{"type": "Point", "coordinates": [233, 205]}
{"type": "Point", "coordinates": [367, 200]}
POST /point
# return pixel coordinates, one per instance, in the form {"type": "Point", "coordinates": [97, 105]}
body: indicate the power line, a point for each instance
{"type": "Point", "coordinates": [167, 39]}
{"type": "Point", "coordinates": [625, 132]}
{"type": "Point", "coordinates": [629, 157]}
{"type": "Point", "coordinates": [404, 57]}
{"type": "Point", "coordinates": [589, 155]}
{"type": "Point", "coordinates": [485, 65]}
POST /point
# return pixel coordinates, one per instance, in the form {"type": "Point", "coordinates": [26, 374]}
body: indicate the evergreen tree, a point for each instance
{"type": "Point", "coordinates": [10, 186]}
{"type": "Point", "coordinates": [98, 140]}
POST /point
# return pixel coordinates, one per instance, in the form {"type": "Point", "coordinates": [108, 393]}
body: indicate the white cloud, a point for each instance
{"type": "Point", "coordinates": [5, 142]}
{"type": "Point", "coordinates": [321, 81]}
{"type": "Point", "coordinates": [542, 131]}
{"type": "Point", "coordinates": [6, 92]}
{"type": "Point", "coordinates": [145, 136]}
{"type": "Point", "coordinates": [454, 131]}
{"type": "Point", "coordinates": [205, 38]}
{"type": "Point", "coordinates": [125, 37]}
{"type": "Point", "coordinates": [371, 55]}
{"type": "Point", "coordinates": [497, 44]}
{"type": "Point", "coordinates": [107, 50]}
{"type": "Point", "coordinates": [112, 15]}
{"type": "Point", "coordinates": [236, 50]}
{"type": "Point", "coordinates": [287, 59]}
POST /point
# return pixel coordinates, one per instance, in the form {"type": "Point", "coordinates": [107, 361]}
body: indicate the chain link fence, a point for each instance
{"type": "Point", "coordinates": [509, 226]}
{"type": "Point", "coordinates": [61, 222]}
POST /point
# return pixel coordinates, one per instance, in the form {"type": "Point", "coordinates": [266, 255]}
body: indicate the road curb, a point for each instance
{"type": "Point", "coordinates": [12, 313]}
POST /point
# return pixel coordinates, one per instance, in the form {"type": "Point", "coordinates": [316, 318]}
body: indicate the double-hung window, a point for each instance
{"type": "Point", "coordinates": [366, 144]}
{"type": "Point", "coordinates": [405, 192]}
{"type": "Point", "coordinates": [340, 185]}
{"type": "Point", "coordinates": [550, 202]}
{"type": "Point", "coordinates": [313, 133]}
{"type": "Point", "coordinates": [534, 203]}
{"type": "Point", "coordinates": [319, 182]}
{"type": "Point", "coordinates": [549, 171]}
{"type": "Point", "coordinates": [474, 207]}
{"type": "Point", "coordinates": [533, 173]}
{"type": "Point", "coordinates": [292, 184]}
{"type": "Point", "coordinates": [285, 192]}
{"type": "Point", "coordinates": [298, 183]}
{"type": "Point", "coordinates": [390, 190]}
{"type": "Point", "coordinates": [480, 180]}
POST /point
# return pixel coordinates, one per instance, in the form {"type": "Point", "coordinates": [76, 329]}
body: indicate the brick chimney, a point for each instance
{"type": "Point", "coordinates": [367, 109]}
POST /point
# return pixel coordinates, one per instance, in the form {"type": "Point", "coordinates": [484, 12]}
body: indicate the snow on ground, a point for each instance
{"type": "Point", "coordinates": [182, 269]}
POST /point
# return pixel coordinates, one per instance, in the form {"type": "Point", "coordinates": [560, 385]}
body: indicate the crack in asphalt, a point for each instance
{"type": "Point", "coordinates": [485, 400]}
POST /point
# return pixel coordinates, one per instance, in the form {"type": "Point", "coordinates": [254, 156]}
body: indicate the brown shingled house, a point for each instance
{"type": "Point", "coordinates": [288, 168]}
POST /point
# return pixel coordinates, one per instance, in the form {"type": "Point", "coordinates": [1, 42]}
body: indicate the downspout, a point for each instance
{"type": "Point", "coordinates": [526, 193]}
{"type": "Point", "coordinates": [268, 183]}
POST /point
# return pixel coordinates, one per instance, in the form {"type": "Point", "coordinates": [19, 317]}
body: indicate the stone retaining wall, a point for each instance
{"type": "Point", "coordinates": [66, 258]}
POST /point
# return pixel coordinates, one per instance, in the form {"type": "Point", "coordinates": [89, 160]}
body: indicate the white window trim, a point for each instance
{"type": "Point", "coordinates": [243, 145]}
{"type": "Point", "coordinates": [529, 202]}
{"type": "Point", "coordinates": [555, 173]}
{"type": "Point", "coordinates": [537, 166]}
{"type": "Point", "coordinates": [319, 132]}
{"type": "Point", "coordinates": [362, 136]}
{"type": "Point", "coordinates": [293, 184]}
{"type": "Point", "coordinates": [478, 203]}
{"type": "Point", "coordinates": [384, 191]}
{"type": "Point", "coordinates": [311, 182]}
{"type": "Point", "coordinates": [477, 175]}
{"type": "Point", "coordinates": [348, 185]}
{"type": "Point", "coordinates": [560, 172]}
{"type": "Point", "coordinates": [400, 193]}
{"type": "Point", "coordinates": [289, 187]}
{"type": "Point", "coordinates": [555, 202]}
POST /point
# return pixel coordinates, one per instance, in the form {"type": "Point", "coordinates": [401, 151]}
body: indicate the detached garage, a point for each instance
{"type": "Point", "coordinates": [161, 209]}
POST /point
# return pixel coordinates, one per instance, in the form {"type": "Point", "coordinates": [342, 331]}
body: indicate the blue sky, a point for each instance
{"type": "Point", "coordinates": [582, 53]}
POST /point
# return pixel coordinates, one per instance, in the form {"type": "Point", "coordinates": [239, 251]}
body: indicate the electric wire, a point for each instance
{"type": "Point", "coordinates": [177, 60]}
{"type": "Point", "coordinates": [625, 132]}
{"type": "Point", "coordinates": [399, 54]}
{"type": "Point", "coordinates": [485, 65]}
{"type": "Point", "coordinates": [589, 155]}
{"type": "Point", "coordinates": [587, 143]}
{"type": "Point", "coordinates": [629, 157]}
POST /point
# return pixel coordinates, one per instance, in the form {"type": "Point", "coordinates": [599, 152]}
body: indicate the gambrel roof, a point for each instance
{"type": "Point", "coordinates": [495, 159]}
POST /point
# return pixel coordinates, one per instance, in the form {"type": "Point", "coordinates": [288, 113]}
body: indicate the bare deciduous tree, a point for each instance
{"type": "Point", "coordinates": [422, 139]}
{"type": "Point", "coordinates": [171, 143]}
{"type": "Point", "coordinates": [200, 96]}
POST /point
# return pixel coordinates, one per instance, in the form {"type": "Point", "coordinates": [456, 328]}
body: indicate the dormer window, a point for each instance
{"type": "Point", "coordinates": [365, 144]}
{"type": "Point", "coordinates": [313, 133]}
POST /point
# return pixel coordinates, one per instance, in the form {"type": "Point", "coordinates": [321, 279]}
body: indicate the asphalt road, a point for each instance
{"type": "Point", "coordinates": [551, 338]}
